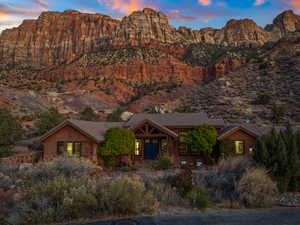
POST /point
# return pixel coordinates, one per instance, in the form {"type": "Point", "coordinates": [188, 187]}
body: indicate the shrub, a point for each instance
{"type": "Point", "coordinates": [263, 99]}
{"type": "Point", "coordinates": [89, 114]}
{"type": "Point", "coordinates": [10, 131]}
{"type": "Point", "coordinates": [278, 152]}
{"type": "Point", "coordinates": [64, 165]}
{"type": "Point", "coordinates": [220, 181]}
{"type": "Point", "coordinates": [278, 113]}
{"type": "Point", "coordinates": [256, 189]}
{"type": "Point", "coordinates": [118, 142]}
{"type": "Point", "coordinates": [115, 116]}
{"type": "Point", "coordinates": [164, 162]}
{"type": "Point", "coordinates": [184, 181]}
{"type": "Point", "coordinates": [128, 196]}
{"type": "Point", "coordinates": [56, 200]}
{"type": "Point", "coordinates": [202, 139]}
{"type": "Point", "coordinates": [198, 198]}
{"type": "Point", "coordinates": [48, 120]}
{"type": "Point", "coordinates": [164, 192]}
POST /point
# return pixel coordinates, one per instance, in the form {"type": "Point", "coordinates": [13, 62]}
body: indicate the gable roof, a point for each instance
{"type": "Point", "coordinates": [247, 128]}
{"type": "Point", "coordinates": [93, 130]}
{"type": "Point", "coordinates": [156, 125]}
{"type": "Point", "coordinates": [175, 119]}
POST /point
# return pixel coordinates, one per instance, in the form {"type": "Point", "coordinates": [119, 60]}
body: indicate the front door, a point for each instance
{"type": "Point", "coordinates": [151, 149]}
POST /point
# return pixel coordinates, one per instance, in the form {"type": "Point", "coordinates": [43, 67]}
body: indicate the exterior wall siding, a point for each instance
{"type": "Point", "coordinates": [242, 136]}
{"type": "Point", "coordinates": [66, 134]}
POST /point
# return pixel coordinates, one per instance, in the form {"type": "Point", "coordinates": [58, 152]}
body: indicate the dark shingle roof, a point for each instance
{"type": "Point", "coordinates": [175, 119]}
{"type": "Point", "coordinates": [95, 130]}
{"type": "Point", "coordinates": [258, 131]}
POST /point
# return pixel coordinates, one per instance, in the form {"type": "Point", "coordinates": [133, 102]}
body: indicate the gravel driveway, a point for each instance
{"type": "Point", "coordinates": [280, 216]}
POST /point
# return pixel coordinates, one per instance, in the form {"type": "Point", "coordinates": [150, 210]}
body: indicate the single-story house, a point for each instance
{"type": "Point", "coordinates": [155, 134]}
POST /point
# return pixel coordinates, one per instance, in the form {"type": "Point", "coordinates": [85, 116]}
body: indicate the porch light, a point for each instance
{"type": "Point", "coordinates": [183, 162]}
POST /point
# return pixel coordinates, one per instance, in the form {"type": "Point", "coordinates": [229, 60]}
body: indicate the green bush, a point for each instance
{"type": "Point", "coordinates": [164, 162]}
{"type": "Point", "coordinates": [256, 189]}
{"type": "Point", "coordinates": [263, 99]}
{"type": "Point", "coordinates": [198, 198]}
{"type": "Point", "coordinates": [279, 153]}
{"type": "Point", "coordinates": [89, 114]}
{"type": "Point", "coordinates": [202, 139]}
{"type": "Point", "coordinates": [48, 120]}
{"type": "Point", "coordinates": [118, 142]}
{"type": "Point", "coordinates": [278, 113]}
{"type": "Point", "coordinates": [10, 132]}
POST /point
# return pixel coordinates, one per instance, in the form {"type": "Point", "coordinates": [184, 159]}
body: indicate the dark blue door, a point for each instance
{"type": "Point", "coordinates": [151, 149]}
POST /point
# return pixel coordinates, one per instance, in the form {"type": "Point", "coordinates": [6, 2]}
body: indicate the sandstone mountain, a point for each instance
{"type": "Point", "coordinates": [71, 60]}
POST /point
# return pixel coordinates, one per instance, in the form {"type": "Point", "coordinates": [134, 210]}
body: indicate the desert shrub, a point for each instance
{"type": "Point", "coordinates": [115, 116]}
{"type": "Point", "coordinates": [164, 162]}
{"type": "Point", "coordinates": [89, 114]}
{"type": "Point", "coordinates": [64, 165]}
{"type": "Point", "coordinates": [128, 196]}
{"type": "Point", "coordinates": [256, 189]}
{"type": "Point", "coordinates": [164, 192]}
{"type": "Point", "coordinates": [183, 181]}
{"type": "Point", "coordinates": [56, 200]}
{"type": "Point", "coordinates": [198, 198]}
{"type": "Point", "coordinates": [48, 120]}
{"type": "Point", "coordinates": [278, 113]}
{"type": "Point", "coordinates": [263, 99]}
{"type": "Point", "coordinates": [220, 181]}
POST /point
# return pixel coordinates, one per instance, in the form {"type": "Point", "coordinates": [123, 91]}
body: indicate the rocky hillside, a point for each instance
{"type": "Point", "coordinates": [71, 60]}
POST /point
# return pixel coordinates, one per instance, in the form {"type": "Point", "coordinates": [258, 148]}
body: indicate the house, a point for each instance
{"type": "Point", "coordinates": [155, 134]}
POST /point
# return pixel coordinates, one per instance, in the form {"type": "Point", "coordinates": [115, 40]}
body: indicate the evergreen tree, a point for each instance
{"type": "Point", "coordinates": [89, 114]}
{"type": "Point", "coordinates": [48, 120]}
{"type": "Point", "coordinates": [10, 131]}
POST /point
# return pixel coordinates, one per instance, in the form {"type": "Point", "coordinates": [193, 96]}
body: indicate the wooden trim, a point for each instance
{"type": "Point", "coordinates": [234, 130]}
{"type": "Point", "coordinates": [157, 126]}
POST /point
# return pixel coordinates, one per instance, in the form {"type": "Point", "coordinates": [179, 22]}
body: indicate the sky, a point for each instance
{"type": "Point", "coordinates": [195, 14]}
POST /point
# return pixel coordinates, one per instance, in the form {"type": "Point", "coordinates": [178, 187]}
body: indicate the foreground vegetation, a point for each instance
{"type": "Point", "coordinates": [68, 189]}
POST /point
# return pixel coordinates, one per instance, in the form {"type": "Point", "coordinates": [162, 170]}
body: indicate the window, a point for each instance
{"type": "Point", "coordinates": [138, 147]}
{"type": "Point", "coordinates": [164, 145]}
{"type": "Point", "coordinates": [239, 147]}
{"type": "Point", "coordinates": [71, 148]}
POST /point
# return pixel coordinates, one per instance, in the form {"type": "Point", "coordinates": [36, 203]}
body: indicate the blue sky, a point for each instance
{"type": "Point", "coordinates": [191, 13]}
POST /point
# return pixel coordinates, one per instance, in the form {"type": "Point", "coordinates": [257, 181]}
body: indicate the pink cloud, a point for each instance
{"type": "Point", "coordinates": [126, 6]}
{"type": "Point", "coordinates": [205, 2]}
{"type": "Point", "coordinates": [295, 4]}
{"type": "Point", "coordinates": [260, 2]}
{"type": "Point", "coordinates": [177, 15]}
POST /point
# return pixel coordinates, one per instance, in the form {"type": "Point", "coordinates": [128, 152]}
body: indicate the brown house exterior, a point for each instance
{"type": "Point", "coordinates": [155, 134]}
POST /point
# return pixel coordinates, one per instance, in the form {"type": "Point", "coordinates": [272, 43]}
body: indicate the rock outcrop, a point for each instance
{"type": "Point", "coordinates": [283, 24]}
{"type": "Point", "coordinates": [55, 38]}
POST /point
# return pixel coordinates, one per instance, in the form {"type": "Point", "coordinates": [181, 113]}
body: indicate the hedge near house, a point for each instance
{"type": "Point", "coordinates": [118, 142]}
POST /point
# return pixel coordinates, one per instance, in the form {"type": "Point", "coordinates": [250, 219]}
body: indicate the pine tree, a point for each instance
{"type": "Point", "coordinates": [89, 114]}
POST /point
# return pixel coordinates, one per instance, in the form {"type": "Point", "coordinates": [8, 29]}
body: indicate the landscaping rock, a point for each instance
{"type": "Point", "coordinates": [290, 199]}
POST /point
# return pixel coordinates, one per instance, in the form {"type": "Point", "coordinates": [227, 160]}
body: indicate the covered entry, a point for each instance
{"type": "Point", "coordinates": [151, 149]}
{"type": "Point", "coordinates": [152, 140]}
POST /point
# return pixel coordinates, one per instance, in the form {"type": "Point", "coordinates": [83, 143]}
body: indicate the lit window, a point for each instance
{"type": "Point", "coordinates": [71, 148]}
{"type": "Point", "coordinates": [239, 147]}
{"type": "Point", "coordinates": [138, 146]}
